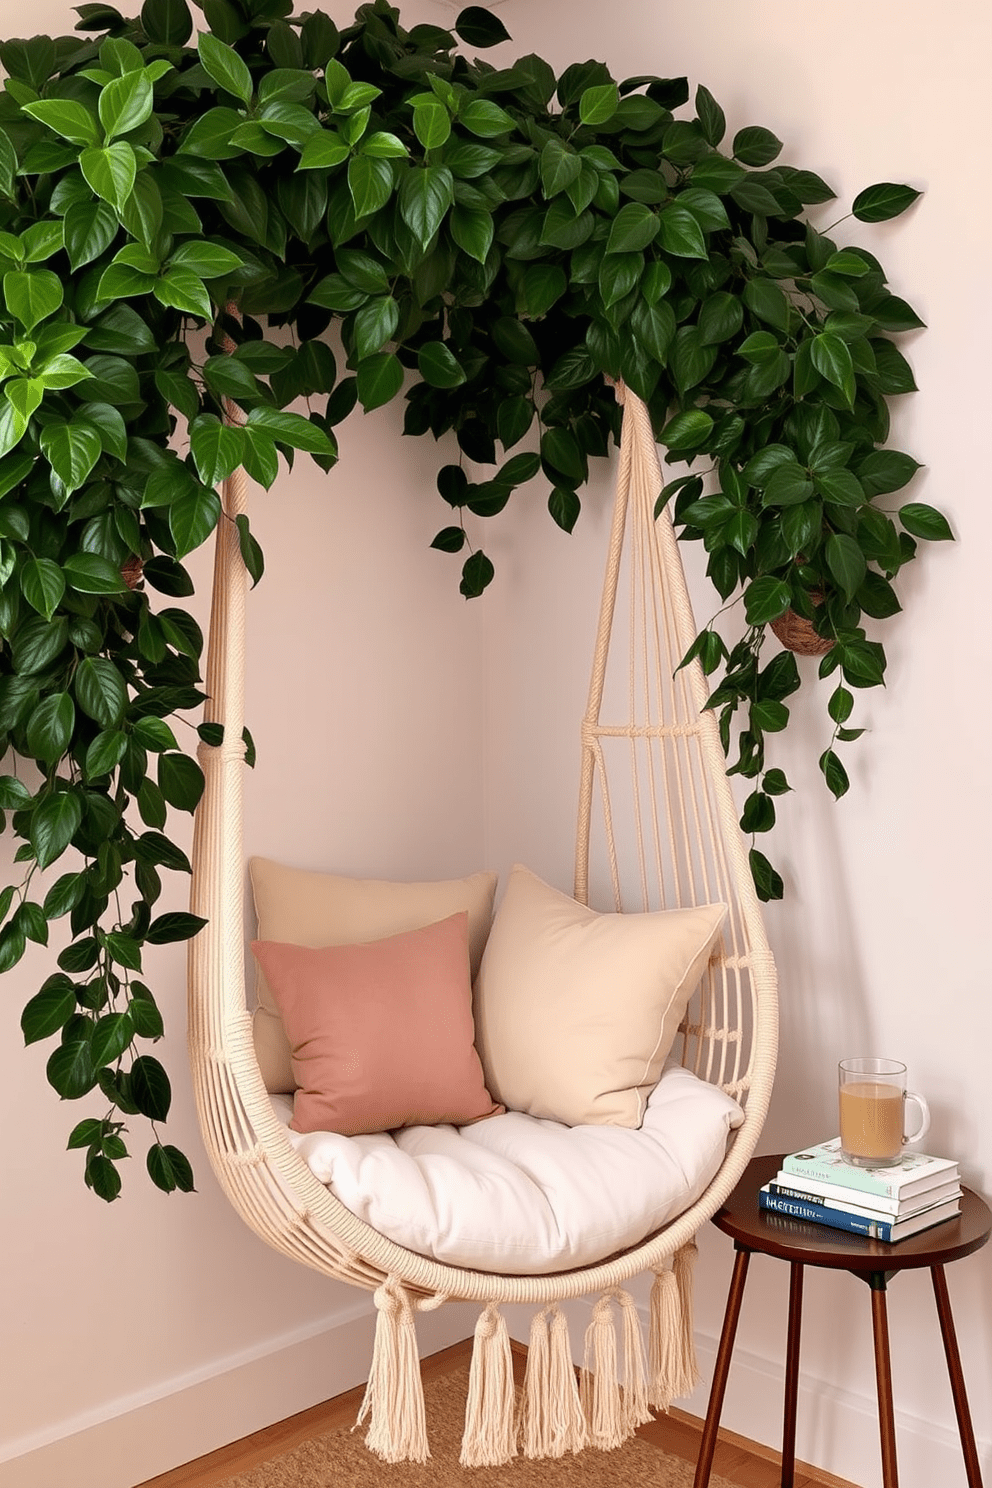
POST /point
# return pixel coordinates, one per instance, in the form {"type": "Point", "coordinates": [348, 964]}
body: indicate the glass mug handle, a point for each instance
{"type": "Point", "coordinates": [917, 1136]}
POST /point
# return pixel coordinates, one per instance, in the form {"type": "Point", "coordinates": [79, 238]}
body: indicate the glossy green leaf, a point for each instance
{"type": "Point", "coordinates": [597, 105]}
{"type": "Point", "coordinates": [845, 561]}
{"type": "Point", "coordinates": [180, 780]}
{"type": "Point", "coordinates": [834, 773]}
{"type": "Point", "coordinates": [438, 365]}
{"type": "Point", "coordinates": [54, 822]}
{"type": "Point", "coordinates": [72, 450]}
{"type": "Point", "coordinates": [67, 118]}
{"type": "Point", "coordinates": [110, 170]}
{"type": "Point", "coordinates": [721, 316]}
{"type": "Point", "coordinates": [169, 1169]}
{"type": "Point", "coordinates": [766, 599]}
{"type": "Point", "coordinates": [680, 234]}
{"type": "Point", "coordinates": [125, 103]}
{"type": "Point", "coordinates": [101, 691]}
{"type": "Point", "coordinates": [49, 1009]}
{"type": "Point", "coordinates": [832, 359]}
{"type": "Point", "coordinates": [480, 28]}
{"type": "Point", "coordinates": [477, 574]}
{"type": "Point", "coordinates": [50, 726]}
{"type": "Point", "coordinates": [91, 573]}
{"type": "Point", "coordinates": [222, 63]}
{"type": "Point", "coordinates": [926, 522]}
{"type": "Point", "coordinates": [167, 21]}
{"type": "Point", "coordinates": [43, 585]}
{"type": "Point", "coordinates": [324, 151]}
{"type": "Point", "coordinates": [473, 229]}
{"type": "Point", "coordinates": [292, 429]}
{"type": "Point", "coordinates": [371, 183]}
{"type": "Point", "coordinates": [196, 510]}
{"type": "Point", "coordinates": [485, 119]}
{"type": "Point", "coordinates": [380, 378]}
{"type": "Point", "coordinates": [883, 201]}
{"type": "Point", "coordinates": [426, 194]}
{"type": "Point", "coordinates": [687, 430]}
{"type": "Point", "coordinates": [756, 146]}
{"type": "Point", "coordinates": [767, 882]}
{"type": "Point", "coordinates": [32, 296]}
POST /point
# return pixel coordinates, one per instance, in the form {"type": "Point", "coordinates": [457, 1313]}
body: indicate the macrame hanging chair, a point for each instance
{"type": "Point", "coordinates": [659, 767]}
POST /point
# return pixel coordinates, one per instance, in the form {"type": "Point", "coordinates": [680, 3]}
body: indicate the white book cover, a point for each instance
{"type": "Point", "coordinates": [836, 1197]}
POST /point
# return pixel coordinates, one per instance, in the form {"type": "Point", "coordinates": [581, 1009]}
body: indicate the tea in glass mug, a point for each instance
{"type": "Point", "coordinates": [872, 1095]}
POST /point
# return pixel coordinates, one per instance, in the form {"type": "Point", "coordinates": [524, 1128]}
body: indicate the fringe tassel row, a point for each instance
{"type": "Point", "coordinates": [557, 1413]}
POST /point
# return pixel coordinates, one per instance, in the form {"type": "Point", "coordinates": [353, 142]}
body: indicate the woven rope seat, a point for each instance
{"type": "Point", "coordinates": [653, 771]}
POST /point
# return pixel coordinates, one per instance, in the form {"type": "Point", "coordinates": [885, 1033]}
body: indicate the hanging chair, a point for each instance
{"type": "Point", "coordinates": [657, 768]}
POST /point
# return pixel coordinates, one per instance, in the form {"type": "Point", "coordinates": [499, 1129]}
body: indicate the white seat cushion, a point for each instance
{"type": "Point", "coordinates": [524, 1196]}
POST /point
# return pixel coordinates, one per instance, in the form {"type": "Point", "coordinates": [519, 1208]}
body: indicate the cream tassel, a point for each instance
{"type": "Point", "coordinates": [683, 1262]}
{"type": "Point", "coordinates": [394, 1395]}
{"type": "Point", "coordinates": [600, 1389]}
{"type": "Point", "coordinates": [552, 1420]}
{"type": "Point", "coordinates": [674, 1373]}
{"type": "Point", "coordinates": [490, 1430]}
{"type": "Point", "coordinates": [635, 1385]}
{"type": "Point", "coordinates": [535, 1406]}
{"type": "Point", "coordinates": [569, 1433]}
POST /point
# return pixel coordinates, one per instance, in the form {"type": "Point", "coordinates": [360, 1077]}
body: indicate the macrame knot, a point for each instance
{"type": "Point", "coordinates": [388, 1300]}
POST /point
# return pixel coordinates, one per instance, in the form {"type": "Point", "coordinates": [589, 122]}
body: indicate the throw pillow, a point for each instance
{"type": "Point", "coordinates": [576, 1011]}
{"type": "Point", "coordinates": [303, 908]}
{"type": "Point", "coordinates": [381, 1034]}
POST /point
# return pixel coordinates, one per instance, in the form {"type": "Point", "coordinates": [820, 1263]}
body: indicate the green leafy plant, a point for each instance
{"type": "Point", "coordinates": [494, 240]}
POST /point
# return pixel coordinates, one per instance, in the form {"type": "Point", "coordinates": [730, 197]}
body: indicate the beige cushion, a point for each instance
{"type": "Point", "coordinates": [304, 908]}
{"type": "Point", "coordinates": [576, 1011]}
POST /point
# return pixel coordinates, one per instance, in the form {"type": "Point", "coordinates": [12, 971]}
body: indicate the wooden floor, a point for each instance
{"type": "Point", "coordinates": [743, 1462]}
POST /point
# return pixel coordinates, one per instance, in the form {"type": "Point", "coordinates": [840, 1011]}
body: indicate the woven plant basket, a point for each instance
{"type": "Point", "coordinates": [797, 633]}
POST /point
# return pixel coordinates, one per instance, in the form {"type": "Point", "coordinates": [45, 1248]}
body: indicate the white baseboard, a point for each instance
{"type": "Point", "coordinates": [837, 1429]}
{"type": "Point", "coordinates": [137, 1437]}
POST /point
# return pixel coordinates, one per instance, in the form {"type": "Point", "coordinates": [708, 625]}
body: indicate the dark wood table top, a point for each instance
{"type": "Point", "coordinates": [813, 1244]}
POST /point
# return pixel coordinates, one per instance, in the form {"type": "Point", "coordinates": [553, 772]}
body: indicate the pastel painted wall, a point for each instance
{"type": "Point", "coordinates": [434, 737]}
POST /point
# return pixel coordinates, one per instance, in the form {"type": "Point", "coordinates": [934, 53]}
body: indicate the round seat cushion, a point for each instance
{"type": "Point", "coordinates": [523, 1195]}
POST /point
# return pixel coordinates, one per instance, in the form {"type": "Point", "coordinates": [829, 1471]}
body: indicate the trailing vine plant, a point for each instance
{"type": "Point", "coordinates": [493, 239]}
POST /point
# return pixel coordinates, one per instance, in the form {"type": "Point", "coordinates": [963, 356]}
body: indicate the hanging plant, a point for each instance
{"type": "Point", "coordinates": [493, 239]}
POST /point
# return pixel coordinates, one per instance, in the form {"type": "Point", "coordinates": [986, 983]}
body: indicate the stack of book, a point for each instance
{"type": "Point", "coordinates": [886, 1204]}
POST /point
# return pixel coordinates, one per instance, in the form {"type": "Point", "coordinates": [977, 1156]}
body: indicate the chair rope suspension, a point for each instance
{"type": "Point", "coordinates": [651, 757]}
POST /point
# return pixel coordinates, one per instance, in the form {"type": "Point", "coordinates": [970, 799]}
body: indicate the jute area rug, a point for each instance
{"type": "Point", "coordinates": [340, 1459]}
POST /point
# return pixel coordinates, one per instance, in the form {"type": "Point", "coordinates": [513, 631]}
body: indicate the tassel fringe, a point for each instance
{"type": "Point", "coordinates": [394, 1395]}
{"type": "Point", "coordinates": [552, 1421]}
{"type": "Point", "coordinates": [558, 1414]}
{"type": "Point", "coordinates": [673, 1368]}
{"type": "Point", "coordinates": [490, 1437]}
{"type": "Point", "coordinates": [636, 1410]}
{"type": "Point", "coordinates": [599, 1387]}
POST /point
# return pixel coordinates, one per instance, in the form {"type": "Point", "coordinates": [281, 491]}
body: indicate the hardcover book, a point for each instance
{"type": "Point", "coordinates": [833, 1196]}
{"type": "Point", "coordinates": [913, 1174]}
{"type": "Point", "coordinates": [888, 1231]}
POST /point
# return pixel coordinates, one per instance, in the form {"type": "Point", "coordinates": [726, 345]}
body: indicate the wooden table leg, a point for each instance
{"type": "Point", "coordinates": [792, 1375]}
{"type": "Point", "coordinates": [735, 1297]}
{"type": "Point", "coordinates": [972, 1466]}
{"type": "Point", "coordinates": [883, 1380]}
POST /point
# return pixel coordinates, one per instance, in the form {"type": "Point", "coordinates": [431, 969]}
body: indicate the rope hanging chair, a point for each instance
{"type": "Point", "coordinates": [657, 764]}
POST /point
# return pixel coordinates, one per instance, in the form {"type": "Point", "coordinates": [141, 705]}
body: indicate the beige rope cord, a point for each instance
{"type": "Point", "coordinates": [688, 851]}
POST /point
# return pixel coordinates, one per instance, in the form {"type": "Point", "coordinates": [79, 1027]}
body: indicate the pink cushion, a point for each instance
{"type": "Point", "coordinates": [381, 1034]}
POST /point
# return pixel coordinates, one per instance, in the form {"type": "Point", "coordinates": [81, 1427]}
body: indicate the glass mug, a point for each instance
{"type": "Point", "coordinates": [872, 1095]}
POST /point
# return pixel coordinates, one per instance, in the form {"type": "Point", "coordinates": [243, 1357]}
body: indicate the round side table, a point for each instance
{"type": "Point", "coordinates": [804, 1244]}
